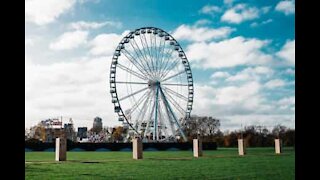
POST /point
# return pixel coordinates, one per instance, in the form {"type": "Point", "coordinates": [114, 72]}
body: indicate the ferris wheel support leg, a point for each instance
{"type": "Point", "coordinates": [156, 135]}
{"type": "Point", "coordinates": [173, 115]}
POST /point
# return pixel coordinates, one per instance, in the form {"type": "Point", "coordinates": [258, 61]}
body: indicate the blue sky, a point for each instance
{"type": "Point", "coordinates": [241, 54]}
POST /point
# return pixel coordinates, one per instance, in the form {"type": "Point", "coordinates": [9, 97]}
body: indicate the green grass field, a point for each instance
{"type": "Point", "coordinates": [224, 163]}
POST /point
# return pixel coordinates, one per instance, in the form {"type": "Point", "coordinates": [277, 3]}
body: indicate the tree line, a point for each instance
{"type": "Point", "coordinates": [208, 129]}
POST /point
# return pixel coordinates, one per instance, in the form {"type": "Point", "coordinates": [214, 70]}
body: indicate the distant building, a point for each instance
{"type": "Point", "coordinates": [82, 132]}
{"type": "Point", "coordinates": [97, 125]}
{"type": "Point", "coordinates": [70, 133]}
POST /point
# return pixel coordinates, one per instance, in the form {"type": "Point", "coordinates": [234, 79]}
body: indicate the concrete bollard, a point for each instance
{"type": "Point", "coordinates": [241, 147]}
{"type": "Point", "coordinates": [137, 149]}
{"type": "Point", "coordinates": [277, 144]}
{"type": "Point", "coordinates": [197, 148]}
{"type": "Point", "coordinates": [61, 149]}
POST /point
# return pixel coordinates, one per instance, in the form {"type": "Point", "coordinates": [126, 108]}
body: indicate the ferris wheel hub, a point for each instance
{"type": "Point", "coordinates": [152, 84]}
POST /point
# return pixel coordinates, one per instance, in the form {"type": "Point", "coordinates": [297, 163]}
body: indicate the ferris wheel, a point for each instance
{"type": "Point", "coordinates": [151, 84]}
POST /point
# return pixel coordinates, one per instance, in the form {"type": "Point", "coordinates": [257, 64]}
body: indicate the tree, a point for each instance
{"type": "Point", "coordinates": [204, 127]}
{"type": "Point", "coordinates": [117, 133]}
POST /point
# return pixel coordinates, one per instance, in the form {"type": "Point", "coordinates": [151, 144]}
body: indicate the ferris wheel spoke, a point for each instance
{"type": "Point", "coordinates": [145, 97]}
{"type": "Point", "coordinates": [149, 119]}
{"type": "Point", "coordinates": [169, 55]}
{"type": "Point", "coordinates": [142, 59]}
{"type": "Point", "coordinates": [144, 56]}
{"type": "Point", "coordinates": [173, 65]}
{"type": "Point", "coordinates": [135, 57]}
{"type": "Point", "coordinates": [175, 104]}
{"type": "Point", "coordinates": [172, 113]}
{"type": "Point", "coordinates": [169, 84]}
{"type": "Point", "coordinates": [149, 50]}
{"type": "Point", "coordinates": [138, 75]}
{"type": "Point", "coordinates": [146, 50]}
{"type": "Point", "coordinates": [170, 77]}
{"type": "Point", "coordinates": [134, 61]}
{"type": "Point", "coordinates": [161, 57]}
{"type": "Point", "coordinates": [175, 93]}
{"type": "Point", "coordinates": [152, 52]}
{"type": "Point", "coordinates": [145, 67]}
{"type": "Point", "coordinates": [144, 109]}
{"type": "Point", "coordinates": [136, 92]}
{"type": "Point", "coordinates": [170, 120]}
{"type": "Point", "coordinates": [124, 82]}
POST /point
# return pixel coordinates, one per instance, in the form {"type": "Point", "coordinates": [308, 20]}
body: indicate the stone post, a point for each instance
{"type": "Point", "coordinates": [241, 147]}
{"type": "Point", "coordinates": [137, 149]}
{"type": "Point", "coordinates": [277, 144]}
{"type": "Point", "coordinates": [61, 149]}
{"type": "Point", "coordinates": [197, 147]}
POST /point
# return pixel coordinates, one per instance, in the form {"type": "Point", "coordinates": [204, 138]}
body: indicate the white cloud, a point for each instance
{"type": "Point", "coordinates": [220, 74]}
{"type": "Point", "coordinates": [244, 104]}
{"type": "Point", "coordinates": [76, 89]}
{"type": "Point", "coordinates": [202, 22]}
{"type": "Point", "coordinates": [240, 13]}
{"type": "Point", "coordinates": [288, 52]}
{"type": "Point", "coordinates": [193, 33]}
{"type": "Point", "coordinates": [228, 53]}
{"type": "Point", "coordinates": [253, 74]}
{"type": "Point", "coordinates": [290, 71]}
{"type": "Point", "coordinates": [287, 101]}
{"type": "Point", "coordinates": [105, 44]}
{"type": "Point", "coordinates": [233, 94]}
{"type": "Point", "coordinates": [83, 25]}
{"type": "Point", "coordinates": [255, 24]}
{"type": "Point", "coordinates": [69, 40]}
{"type": "Point", "coordinates": [233, 122]}
{"type": "Point", "coordinates": [287, 7]}
{"type": "Point", "coordinates": [228, 2]}
{"type": "Point", "coordinates": [86, 1]}
{"type": "Point", "coordinates": [209, 9]}
{"type": "Point", "coordinates": [274, 83]}
{"type": "Point", "coordinates": [43, 12]}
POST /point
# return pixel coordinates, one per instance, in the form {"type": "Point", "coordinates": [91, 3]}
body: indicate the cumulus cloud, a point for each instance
{"type": "Point", "coordinates": [70, 40]}
{"type": "Point", "coordinates": [275, 83]}
{"type": "Point", "coordinates": [242, 104]}
{"type": "Point", "coordinates": [84, 25]}
{"type": "Point", "coordinates": [290, 71]}
{"type": "Point", "coordinates": [228, 2]}
{"type": "Point", "coordinates": [288, 52]}
{"type": "Point", "coordinates": [251, 74]}
{"type": "Point", "coordinates": [255, 24]}
{"type": "Point", "coordinates": [76, 89]}
{"type": "Point", "coordinates": [202, 22]}
{"type": "Point", "coordinates": [240, 13]}
{"type": "Point", "coordinates": [194, 33]}
{"type": "Point", "coordinates": [287, 101]}
{"type": "Point", "coordinates": [234, 122]}
{"type": "Point", "coordinates": [287, 7]}
{"type": "Point", "coordinates": [105, 44]}
{"type": "Point", "coordinates": [210, 9]}
{"type": "Point", "coordinates": [43, 12]}
{"type": "Point", "coordinates": [220, 74]}
{"type": "Point", "coordinates": [228, 53]}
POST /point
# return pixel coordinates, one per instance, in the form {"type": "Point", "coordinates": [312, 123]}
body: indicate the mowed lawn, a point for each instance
{"type": "Point", "coordinates": [224, 163]}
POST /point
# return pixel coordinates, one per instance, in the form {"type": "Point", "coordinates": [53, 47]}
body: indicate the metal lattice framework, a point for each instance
{"type": "Point", "coordinates": [151, 84]}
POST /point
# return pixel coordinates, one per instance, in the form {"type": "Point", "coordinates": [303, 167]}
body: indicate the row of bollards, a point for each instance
{"type": "Point", "coordinates": [137, 148]}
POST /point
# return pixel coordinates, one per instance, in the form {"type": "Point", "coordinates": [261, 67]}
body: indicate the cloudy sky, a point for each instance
{"type": "Point", "coordinates": [242, 55]}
